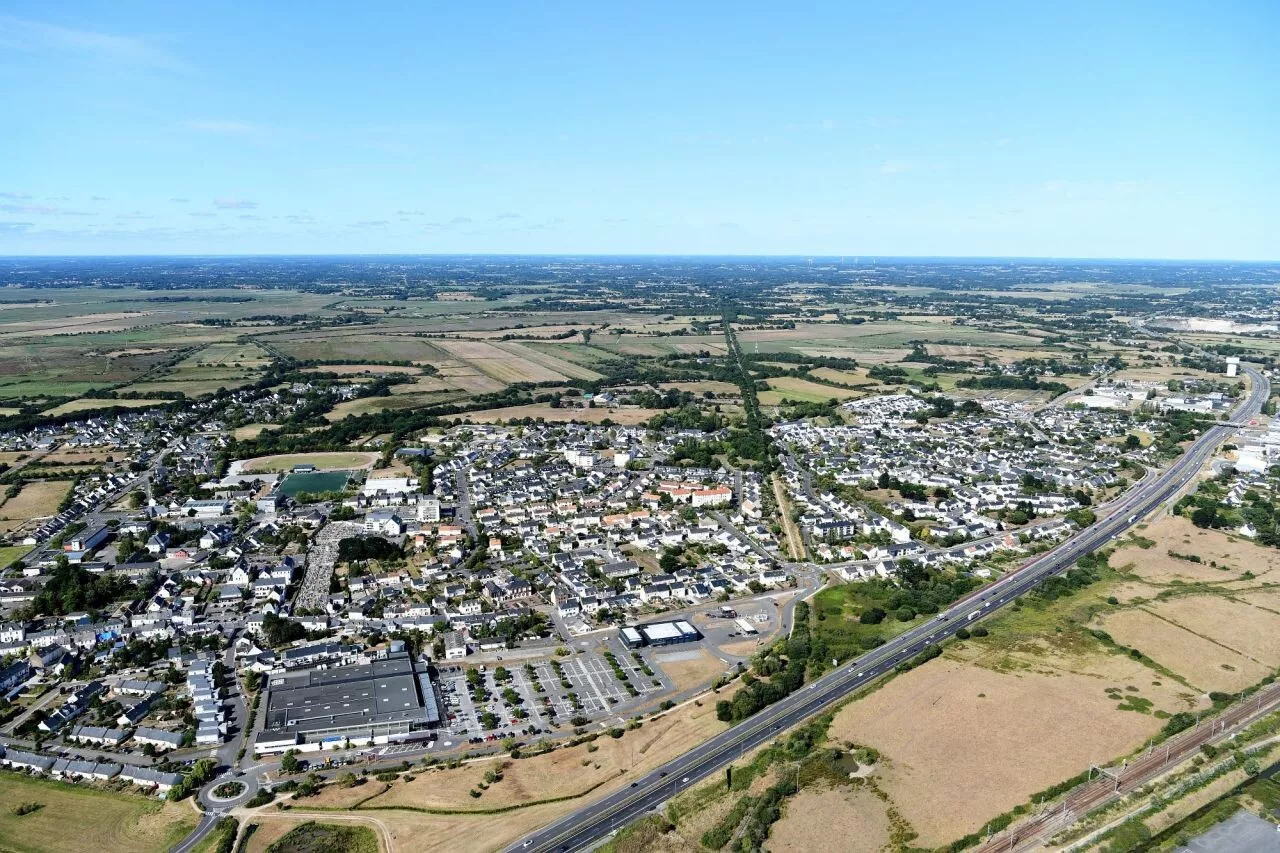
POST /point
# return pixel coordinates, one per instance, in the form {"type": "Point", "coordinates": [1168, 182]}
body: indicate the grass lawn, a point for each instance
{"type": "Point", "coordinates": [13, 552]}
{"type": "Point", "coordinates": [77, 818]}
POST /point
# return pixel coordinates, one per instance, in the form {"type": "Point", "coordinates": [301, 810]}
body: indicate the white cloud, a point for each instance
{"type": "Point", "coordinates": [37, 36]}
{"type": "Point", "coordinates": [224, 203]}
{"type": "Point", "coordinates": [894, 167]}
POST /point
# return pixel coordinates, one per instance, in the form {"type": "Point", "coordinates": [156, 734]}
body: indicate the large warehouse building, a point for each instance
{"type": "Point", "coordinates": [382, 701]}
{"type": "Point", "coordinates": [660, 634]}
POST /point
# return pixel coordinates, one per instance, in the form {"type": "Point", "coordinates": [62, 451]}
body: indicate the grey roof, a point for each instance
{"type": "Point", "coordinates": [174, 738]}
{"type": "Point", "coordinates": [377, 693]}
{"type": "Point", "coordinates": [145, 775]}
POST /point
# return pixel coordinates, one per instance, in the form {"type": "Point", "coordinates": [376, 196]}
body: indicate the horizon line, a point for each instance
{"type": "Point", "coordinates": [860, 258]}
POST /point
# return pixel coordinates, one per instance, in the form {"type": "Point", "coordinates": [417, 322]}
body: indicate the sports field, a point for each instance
{"type": "Point", "coordinates": [315, 483]}
{"type": "Point", "coordinates": [322, 461]}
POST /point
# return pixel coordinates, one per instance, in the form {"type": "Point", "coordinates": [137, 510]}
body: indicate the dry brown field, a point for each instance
{"type": "Point", "coordinates": [457, 374]}
{"type": "Point", "coordinates": [415, 832]}
{"type": "Point", "coordinates": [542, 410]}
{"type": "Point", "coordinates": [1204, 663]}
{"type": "Point", "coordinates": [83, 455]}
{"type": "Point", "coordinates": [562, 772]}
{"type": "Point", "coordinates": [1231, 622]}
{"type": "Point", "coordinates": [560, 366]}
{"type": "Point", "coordinates": [357, 369]}
{"type": "Point", "coordinates": [724, 389]}
{"type": "Point", "coordinates": [36, 500]}
{"type": "Point", "coordinates": [498, 363]}
{"type": "Point", "coordinates": [82, 405]}
{"type": "Point", "coordinates": [1179, 535]}
{"type": "Point", "coordinates": [849, 819]}
{"type": "Point", "coordinates": [848, 377]}
{"type": "Point", "coordinates": [979, 742]}
{"type": "Point", "coordinates": [251, 431]}
{"type": "Point", "coordinates": [687, 671]}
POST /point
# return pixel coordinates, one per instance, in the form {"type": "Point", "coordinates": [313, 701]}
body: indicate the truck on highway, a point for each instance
{"type": "Point", "coordinates": [974, 615]}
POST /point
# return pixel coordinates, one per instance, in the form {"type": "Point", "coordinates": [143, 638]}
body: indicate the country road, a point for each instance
{"type": "Point", "coordinates": [588, 825]}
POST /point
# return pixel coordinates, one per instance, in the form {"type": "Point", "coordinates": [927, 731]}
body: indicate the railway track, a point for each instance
{"type": "Point", "coordinates": [1116, 783]}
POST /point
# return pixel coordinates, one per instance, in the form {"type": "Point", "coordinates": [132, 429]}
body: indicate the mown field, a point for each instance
{"type": "Point", "coordinates": [37, 499]}
{"type": "Point", "coordinates": [81, 819]}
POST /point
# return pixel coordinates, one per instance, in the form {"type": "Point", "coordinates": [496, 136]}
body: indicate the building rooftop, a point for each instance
{"type": "Point", "coordinates": [383, 692]}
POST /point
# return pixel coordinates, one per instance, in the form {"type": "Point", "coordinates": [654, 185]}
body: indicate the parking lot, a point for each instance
{"type": "Point", "coordinates": [573, 687]}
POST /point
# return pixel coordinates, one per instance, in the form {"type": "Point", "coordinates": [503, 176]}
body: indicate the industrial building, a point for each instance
{"type": "Point", "coordinates": [382, 701]}
{"type": "Point", "coordinates": [659, 634]}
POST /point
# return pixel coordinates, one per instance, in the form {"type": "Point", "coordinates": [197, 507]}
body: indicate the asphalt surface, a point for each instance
{"type": "Point", "coordinates": [591, 824]}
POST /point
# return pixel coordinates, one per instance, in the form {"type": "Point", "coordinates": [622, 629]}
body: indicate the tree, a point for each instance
{"type": "Point", "coordinates": [1205, 516]}
{"type": "Point", "coordinates": [289, 762]}
{"type": "Point", "coordinates": [873, 616]}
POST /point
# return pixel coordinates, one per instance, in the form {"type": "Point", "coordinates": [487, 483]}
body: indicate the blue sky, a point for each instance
{"type": "Point", "coordinates": [1031, 129]}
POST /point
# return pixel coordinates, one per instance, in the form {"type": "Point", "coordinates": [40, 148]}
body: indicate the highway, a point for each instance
{"type": "Point", "coordinates": [595, 822]}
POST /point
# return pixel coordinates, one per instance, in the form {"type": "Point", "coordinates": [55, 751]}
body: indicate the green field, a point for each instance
{"type": "Point", "coordinates": [9, 553]}
{"type": "Point", "coordinates": [82, 819]}
{"type": "Point", "coordinates": [326, 838]}
{"type": "Point", "coordinates": [320, 481]}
